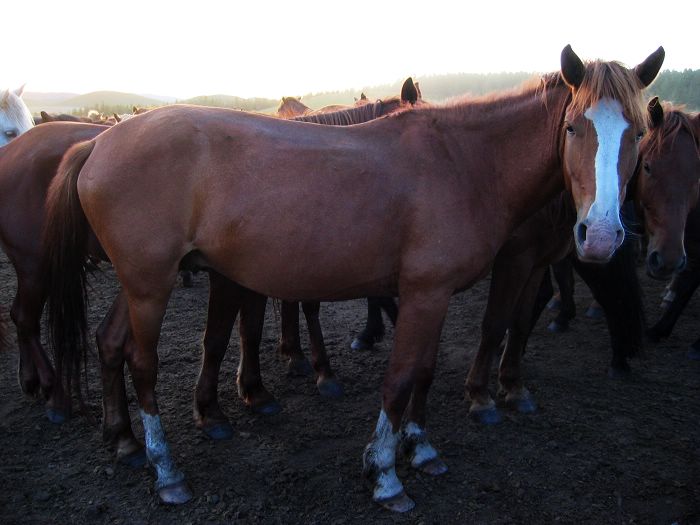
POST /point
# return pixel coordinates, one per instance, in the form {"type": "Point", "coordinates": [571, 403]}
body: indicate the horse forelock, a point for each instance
{"type": "Point", "coordinates": [611, 80]}
{"type": "Point", "coordinates": [675, 121]}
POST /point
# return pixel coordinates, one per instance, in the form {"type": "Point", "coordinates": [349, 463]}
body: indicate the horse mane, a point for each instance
{"type": "Point", "coordinates": [601, 80]}
{"type": "Point", "coordinates": [675, 121]}
{"type": "Point", "coordinates": [346, 117]}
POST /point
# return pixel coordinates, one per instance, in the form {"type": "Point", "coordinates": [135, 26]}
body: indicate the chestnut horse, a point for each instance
{"type": "Point", "coordinates": [664, 188]}
{"type": "Point", "coordinates": [27, 166]}
{"type": "Point", "coordinates": [292, 107]}
{"type": "Point", "coordinates": [671, 170]}
{"type": "Point", "coordinates": [15, 117]}
{"type": "Point", "coordinates": [220, 189]}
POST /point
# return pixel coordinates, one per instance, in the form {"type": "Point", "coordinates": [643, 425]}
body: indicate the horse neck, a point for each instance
{"type": "Point", "coordinates": [515, 143]}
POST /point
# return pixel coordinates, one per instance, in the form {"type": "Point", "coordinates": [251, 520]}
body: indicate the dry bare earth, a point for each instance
{"type": "Point", "coordinates": [599, 451]}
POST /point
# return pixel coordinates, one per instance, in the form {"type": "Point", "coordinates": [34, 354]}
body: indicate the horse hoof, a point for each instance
{"type": "Point", "coordinates": [330, 388]}
{"type": "Point", "coordinates": [57, 417]}
{"type": "Point", "coordinates": [594, 312]}
{"type": "Point", "coordinates": [556, 327]}
{"type": "Point", "coordinates": [299, 368]}
{"type": "Point", "coordinates": [136, 460]}
{"type": "Point", "coordinates": [268, 409]}
{"type": "Point", "coordinates": [175, 494]}
{"type": "Point", "coordinates": [360, 344]}
{"type": "Point", "coordinates": [486, 416]}
{"type": "Point", "coordinates": [524, 405]}
{"type": "Point", "coordinates": [433, 467]}
{"type": "Point", "coordinates": [399, 503]}
{"type": "Point", "coordinates": [219, 431]}
{"type": "Point", "coordinates": [693, 353]}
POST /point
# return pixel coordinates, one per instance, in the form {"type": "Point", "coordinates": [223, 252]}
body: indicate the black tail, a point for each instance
{"type": "Point", "coordinates": [64, 265]}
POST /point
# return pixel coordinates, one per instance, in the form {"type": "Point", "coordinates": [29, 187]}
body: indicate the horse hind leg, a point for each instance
{"type": "Point", "coordinates": [250, 385]}
{"type": "Point", "coordinates": [224, 303]}
{"type": "Point", "coordinates": [35, 371]}
{"type": "Point", "coordinates": [146, 311]}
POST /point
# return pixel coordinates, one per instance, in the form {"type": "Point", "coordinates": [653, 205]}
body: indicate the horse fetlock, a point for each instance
{"type": "Point", "coordinates": [414, 446]}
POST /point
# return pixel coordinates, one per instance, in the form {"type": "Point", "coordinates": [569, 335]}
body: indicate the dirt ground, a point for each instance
{"type": "Point", "coordinates": [598, 451]}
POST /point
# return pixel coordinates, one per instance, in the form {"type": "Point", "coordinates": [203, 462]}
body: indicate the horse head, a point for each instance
{"type": "Point", "coordinates": [603, 124]}
{"type": "Point", "coordinates": [667, 185]}
{"type": "Point", "coordinates": [15, 117]}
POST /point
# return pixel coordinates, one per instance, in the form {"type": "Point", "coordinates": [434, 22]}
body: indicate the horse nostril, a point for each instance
{"type": "Point", "coordinates": [655, 261]}
{"type": "Point", "coordinates": [681, 263]}
{"type": "Point", "coordinates": [581, 233]}
{"type": "Point", "coordinates": [619, 237]}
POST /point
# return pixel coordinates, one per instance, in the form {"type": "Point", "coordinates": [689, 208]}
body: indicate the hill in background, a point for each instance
{"type": "Point", "coordinates": [680, 87]}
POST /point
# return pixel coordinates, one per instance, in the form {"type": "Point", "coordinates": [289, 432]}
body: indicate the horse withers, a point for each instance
{"type": "Point", "coordinates": [229, 201]}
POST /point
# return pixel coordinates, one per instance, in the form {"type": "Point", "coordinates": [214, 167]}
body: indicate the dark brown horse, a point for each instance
{"type": "Point", "coordinates": [27, 166]}
{"type": "Point", "coordinates": [671, 171]}
{"type": "Point", "coordinates": [221, 189]}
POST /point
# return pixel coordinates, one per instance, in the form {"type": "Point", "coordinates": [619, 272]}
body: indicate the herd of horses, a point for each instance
{"type": "Point", "coordinates": [401, 198]}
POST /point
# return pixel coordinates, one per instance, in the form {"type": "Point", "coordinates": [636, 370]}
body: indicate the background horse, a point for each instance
{"type": "Point", "coordinates": [671, 170]}
{"type": "Point", "coordinates": [27, 166]}
{"type": "Point", "coordinates": [15, 117]}
{"type": "Point", "coordinates": [443, 174]}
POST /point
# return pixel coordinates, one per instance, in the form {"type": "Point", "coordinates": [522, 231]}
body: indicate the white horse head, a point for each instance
{"type": "Point", "coordinates": [15, 117]}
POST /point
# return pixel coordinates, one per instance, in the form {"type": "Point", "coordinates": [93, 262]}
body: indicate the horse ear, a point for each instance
{"type": "Point", "coordinates": [117, 117]}
{"type": "Point", "coordinates": [363, 96]}
{"type": "Point", "coordinates": [4, 96]}
{"type": "Point", "coordinates": [647, 70]}
{"type": "Point", "coordinates": [572, 68]}
{"type": "Point", "coordinates": [20, 90]}
{"type": "Point", "coordinates": [134, 109]}
{"type": "Point", "coordinates": [45, 117]}
{"type": "Point", "coordinates": [408, 92]}
{"type": "Point", "coordinates": [420, 95]}
{"type": "Point", "coordinates": [656, 112]}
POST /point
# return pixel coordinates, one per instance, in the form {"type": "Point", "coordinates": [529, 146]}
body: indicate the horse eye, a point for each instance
{"type": "Point", "coordinates": [640, 135]}
{"type": "Point", "coordinates": [570, 129]}
{"type": "Point", "coordinates": [11, 133]}
{"type": "Point", "coordinates": [646, 167]}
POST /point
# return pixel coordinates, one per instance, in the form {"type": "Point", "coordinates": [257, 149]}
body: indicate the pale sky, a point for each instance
{"type": "Point", "coordinates": [293, 47]}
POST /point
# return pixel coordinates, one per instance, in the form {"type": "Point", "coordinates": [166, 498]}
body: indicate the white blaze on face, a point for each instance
{"type": "Point", "coordinates": [609, 124]}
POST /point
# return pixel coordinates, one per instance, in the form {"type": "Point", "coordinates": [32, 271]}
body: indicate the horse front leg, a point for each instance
{"type": "Point", "coordinates": [510, 374]}
{"type": "Point", "coordinates": [373, 332]}
{"type": "Point", "coordinates": [326, 382]}
{"type": "Point", "coordinates": [113, 336]}
{"type": "Point", "coordinates": [508, 279]}
{"type": "Point", "coordinates": [564, 276]}
{"type": "Point", "coordinates": [290, 342]}
{"type": "Point", "coordinates": [685, 284]}
{"type": "Point", "coordinates": [224, 302]}
{"type": "Point", "coordinates": [411, 366]}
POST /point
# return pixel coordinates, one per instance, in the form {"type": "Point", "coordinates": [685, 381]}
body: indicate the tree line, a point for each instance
{"type": "Point", "coordinates": [679, 87]}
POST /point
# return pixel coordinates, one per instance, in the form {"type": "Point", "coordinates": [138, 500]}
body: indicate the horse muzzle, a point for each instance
{"type": "Point", "coordinates": [596, 241]}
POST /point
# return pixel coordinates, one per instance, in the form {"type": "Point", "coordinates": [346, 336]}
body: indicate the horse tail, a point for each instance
{"type": "Point", "coordinates": [64, 266]}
